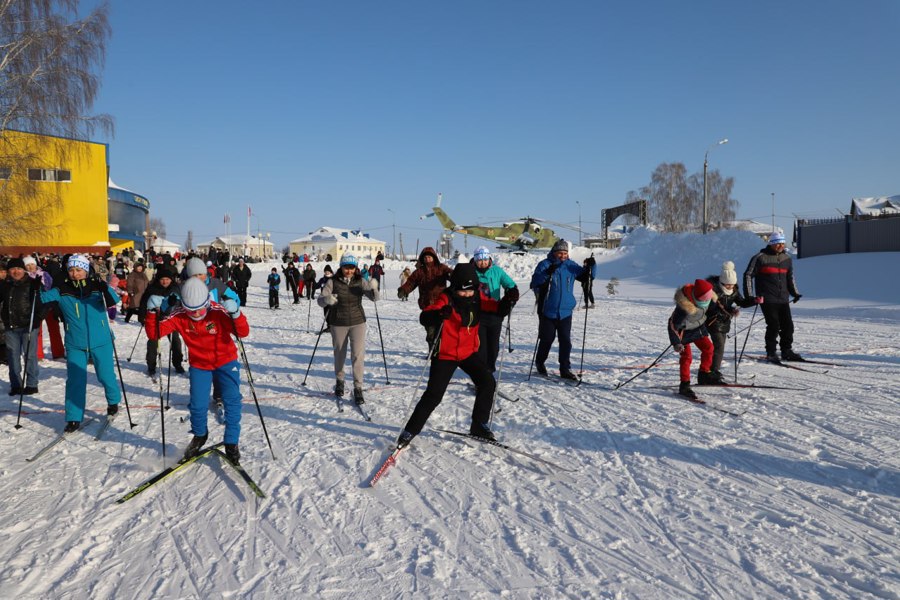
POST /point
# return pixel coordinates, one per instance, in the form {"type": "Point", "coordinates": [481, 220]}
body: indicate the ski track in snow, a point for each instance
{"type": "Point", "coordinates": [797, 498]}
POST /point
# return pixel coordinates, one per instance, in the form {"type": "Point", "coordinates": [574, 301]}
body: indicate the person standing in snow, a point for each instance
{"type": "Point", "coordinates": [22, 311]}
{"type": "Point", "coordinates": [241, 276]}
{"type": "Point", "coordinates": [376, 271]}
{"type": "Point", "coordinates": [553, 283]}
{"type": "Point", "coordinates": [431, 278]}
{"type": "Point", "coordinates": [274, 281]}
{"type": "Point", "coordinates": [492, 282]}
{"type": "Point", "coordinates": [136, 284]}
{"type": "Point", "coordinates": [309, 281]}
{"type": "Point", "coordinates": [82, 302]}
{"type": "Point", "coordinates": [456, 313]}
{"type": "Point", "coordinates": [206, 328]}
{"type": "Point", "coordinates": [164, 295]}
{"type": "Point", "coordinates": [687, 325]}
{"type": "Point", "coordinates": [720, 313]}
{"type": "Point", "coordinates": [293, 277]}
{"type": "Point", "coordinates": [587, 289]}
{"type": "Point", "coordinates": [342, 297]}
{"type": "Point", "coordinates": [404, 276]}
{"type": "Point", "coordinates": [772, 271]}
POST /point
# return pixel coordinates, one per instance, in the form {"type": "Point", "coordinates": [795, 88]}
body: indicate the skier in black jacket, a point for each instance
{"type": "Point", "coordinates": [773, 272]}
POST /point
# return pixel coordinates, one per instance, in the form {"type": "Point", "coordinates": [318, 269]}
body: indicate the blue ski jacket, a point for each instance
{"type": "Point", "coordinates": [83, 309]}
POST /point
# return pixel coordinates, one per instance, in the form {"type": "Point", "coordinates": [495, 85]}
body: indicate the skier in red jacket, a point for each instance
{"type": "Point", "coordinates": [459, 307]}
{"type": "Point", "coordinates": [206, 328]}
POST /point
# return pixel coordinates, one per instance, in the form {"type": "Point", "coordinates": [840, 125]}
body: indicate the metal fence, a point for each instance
{"type": "Point", "coordinates": [842, 235]}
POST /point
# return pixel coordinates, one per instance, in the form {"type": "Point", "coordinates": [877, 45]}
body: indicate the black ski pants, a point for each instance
{"type": "Point", "coordinates": [177, 352]}
{"type": "Point", "coordinates": [778, 323]}
{"type": "Point", "coordinates": [548, 330]}
{"type": "Point", "coordinates": [490, 327]}
{"type": "Point", "coordinates": [439, 378]}
{"type": "Point", "coordinates": [719, 338]}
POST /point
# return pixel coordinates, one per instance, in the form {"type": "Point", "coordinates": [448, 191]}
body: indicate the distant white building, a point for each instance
{"type": "Point", "coordinates": [162, 246]}
{"type": "Point", "coordinates": [337, 242]}
{"type": "Point", "coordinates": [875, 207]}
{"type": "Point", "coordinates": [241, 245]}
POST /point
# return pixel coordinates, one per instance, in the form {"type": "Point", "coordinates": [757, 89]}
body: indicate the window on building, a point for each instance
{"type": "Point", "coordinates": [49, 175]}
{"type": "Point", "coordinates": [5, 172]}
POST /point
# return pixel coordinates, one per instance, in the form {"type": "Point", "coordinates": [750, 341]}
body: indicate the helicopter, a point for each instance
{"type": "Point", "coordinates": [522, 234]}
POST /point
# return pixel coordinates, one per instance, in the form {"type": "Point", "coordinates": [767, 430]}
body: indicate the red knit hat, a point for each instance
{"type": "Point", "coordinates": [703, 290]}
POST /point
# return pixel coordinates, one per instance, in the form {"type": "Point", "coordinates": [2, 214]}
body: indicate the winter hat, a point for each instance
{"type": "Point", "coordinates": [328, 269]}
{"type": "Point", "coordinates": [194, 266]}
{"type": "Point", "coordinates": [194, 294]}
{"type": "Point", "coordinates": [209, 263]}
{"type": "Point", "coordinates": [464, 277]}
{"type": "Point", "coordinates": [561, 245]}
{"type": "Point", "coordinates": [166, 271]}
{"type": "Point", "coordinates": [80, 261]}
{"type": "Point", "coordinates": [15, 263]}
{"type": "Point", "coordinates": [29, 260]}
{"type": "Point", "coordinates": [349, 260]}
{"type": "Point", "coordinates": [482, 253]}
{"type": "Point", "coordinates": [776, 238]}
{"type": "Point", "coordinates": [703, 290]}
{"type": "Point", "coordinates": [728, 275]}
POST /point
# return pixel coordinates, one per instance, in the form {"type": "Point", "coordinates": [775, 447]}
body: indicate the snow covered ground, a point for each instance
{"type": "Point", "coordinates": [797, 498]}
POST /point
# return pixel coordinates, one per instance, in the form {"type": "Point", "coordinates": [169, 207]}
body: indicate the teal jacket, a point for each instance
{"type": "Point", "coordinates": [493, 280]}
{"type": "Point", "coordinates": [83, 309]}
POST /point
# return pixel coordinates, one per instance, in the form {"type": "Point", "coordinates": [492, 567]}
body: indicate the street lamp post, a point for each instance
{"type": "Point", "coordinates": [393, 233]}
{"type": "Point", "coordinates": [579, 222]}
{"type": "Point", "coordinates": [705, 192]}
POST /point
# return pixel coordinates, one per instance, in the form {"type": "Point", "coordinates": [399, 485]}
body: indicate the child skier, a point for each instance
{"type": "Point", "coordinates": [83, 302]}
{"type": "Point", "coordinates": [274, 282]}
{"type": "Point", "coordinates": [206, 328]}
{"type": "Point", "coordinates": [720, 313]}
{"type": "Point", "coordinates": [460, 308]}
{"type": "Point", "coordinates": [687, 326]}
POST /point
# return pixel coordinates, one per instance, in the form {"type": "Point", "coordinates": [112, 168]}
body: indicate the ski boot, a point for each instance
{"type": "Point", "coordinates": [193, 449]}
{"type": "Point", "coordinates": [358, 396]}
{"type": "Point", "coordinates": [709, 378]}
{"type": "Point", "coordinates": [481, 431]}
{"type": "Point", "coordinates": [685, 390]}
{"type": "Point", "coordinates": [339, 388]}
{"type": "Point", "coordinates": [567, 374]}
{"type": "Point", "coordinates": [232, 453]}
{"type": "Point", "coordinates": [404, 439]}
{"type": "Point", "coordinates": [112, 410]}
{"type": "Point", "coordinates": [541, 369]}
{"type": "Point", "coordinates": [72, 426]}
{"type": "Point", "coordinates": [786, 355]}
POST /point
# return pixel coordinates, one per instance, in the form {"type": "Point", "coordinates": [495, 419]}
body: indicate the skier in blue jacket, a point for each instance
{"type": "Point", "coordinates": [83, 301]}
{"type": "Point", "coordinates": [553, 281]}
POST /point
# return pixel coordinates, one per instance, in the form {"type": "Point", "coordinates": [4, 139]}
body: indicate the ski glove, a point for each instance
{"type": "Point", "coordinates": [331, 300]}
{"type": "Point", "coordinates": [797, 297]}
{"type": "Point", "coordinates": [760, 299]}
{"type": "Point", "coordinates": [154, 303]}
{"type": "Point", "coordinates": [401, 294]}
{"type": "Point", "coordinates": [590, 261]}
{"type": "Point", "coordinates": [446, 311]}
{"type": "Point", "coordinates": [512, 294]}
{"type": "Point", "coordinates": [678, 348]}
{"type": "Point", "coordinates": [231, 306]}
{"type": "Point", "coordinates": [174, 301]}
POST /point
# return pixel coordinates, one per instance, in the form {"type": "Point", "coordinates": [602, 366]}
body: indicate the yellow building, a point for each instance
{"type": "Point", "coordinates": [54, 194]}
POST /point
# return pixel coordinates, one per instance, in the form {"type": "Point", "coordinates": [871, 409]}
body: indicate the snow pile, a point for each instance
{"type": "Point", "coordinates": [797, 498]}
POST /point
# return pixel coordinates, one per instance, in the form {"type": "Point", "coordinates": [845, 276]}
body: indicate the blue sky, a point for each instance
{"type": "Point", "coordinates": [331, 113]}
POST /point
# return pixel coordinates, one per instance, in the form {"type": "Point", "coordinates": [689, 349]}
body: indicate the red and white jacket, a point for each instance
{"type": "Point", "coordinates": [458, 340]}
{"type": "Point", "coordinates": [208, 340]}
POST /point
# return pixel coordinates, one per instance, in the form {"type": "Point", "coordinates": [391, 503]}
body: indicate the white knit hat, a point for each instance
{"type": "Point", "coordinates": [79, 261]}
{"type": "Point", "coordinates": [728, 275]}
{"type": "Point", "coordinates": [29, 260]}
{"type": "Point", "coordinates": [194, 294]}
{"type": "Point", "coordinates": [194, 266]}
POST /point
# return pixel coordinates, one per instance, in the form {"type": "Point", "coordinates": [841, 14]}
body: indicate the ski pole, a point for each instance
{"type": "Point", "coordinates": [736, 355]}
{"type": "Point", "coordinates": [137, 337]}
{"type": "Point", "coordinates": [431, 350]}
{"type": "Point", "coordinates": [534, 353]}
{"type": "Point", "coordinates": [318, 337]}
{"type": "Point", "coordinates": [162, 409]}
{"type": "Point", "coordinates": [495, 399]}
{"type": "Point", "coordinates": [747, 337]}
{"type": "Point", "coordinates": [112, 340]}
{"type": "Point", "coordinates": [25, 362]}
{"type": "Point", "coordinates": [583, 339]}
{"type": "Point", "coordinates": [509, 331]}
{"type": "Point", "coordinates": [381, 338]}
{"type": "Point", "coordinates": [253, 390]}
{"type": "Point", "coordinates": [308, 311]}
{"type": "Point", "coordinates": [169, 376]}
{"type": "Point", "coordinates": [653, 364]}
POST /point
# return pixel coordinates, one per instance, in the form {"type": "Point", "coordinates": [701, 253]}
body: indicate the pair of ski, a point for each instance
{"type": "Point", "coordinates": [62, 436]}
{"type": "Point", "coordinates": [339, 401]}
{"type": "Point", "coordinates": [169, 471]}
{"type": "Point", "coordinates": [791, 365]}
{"type": "Point", "coordinates": [391, 460]}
